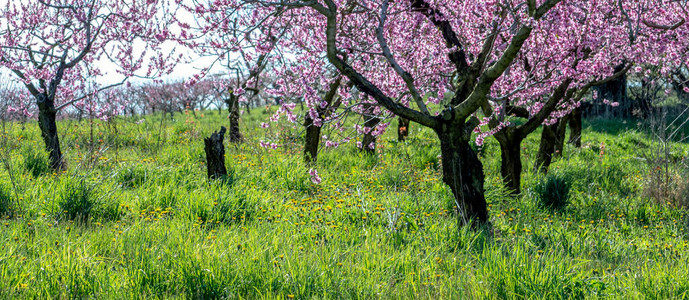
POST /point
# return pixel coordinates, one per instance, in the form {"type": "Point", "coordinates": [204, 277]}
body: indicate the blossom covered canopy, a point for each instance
{"type": "Point", "coordinates": [58, 47]}
{"type": "Point", "coordinates": [417, 52]}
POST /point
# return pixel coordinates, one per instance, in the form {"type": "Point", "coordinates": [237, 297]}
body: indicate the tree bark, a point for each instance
{"type": "Point", "coordinates": [47, 115]}
{"type": "Point", "coordinates": [560, 136]}
{"type": "Point", "coordinates": [402, 129]}
{"type": "Point", "coordinates": [575, 128]}
{"type": "Point", "coordinates": [215, 154]}
{"type": "Point", "coordinates": [546, 148]}
{"type": "Point", "coordinates": [463, 173]}
{"type": "Point", "coordinates": [511, 137]}
{"type": "Point", "coordinates": [233, 107]}
{"type": "Point", "coordinates": [312, 138]}
{"type": "Point", "coordinates": [311, 141]}
{"type": "Point", "coordinates": [368, 144]}
{"type": "Point", "coordinates": [511, 162]}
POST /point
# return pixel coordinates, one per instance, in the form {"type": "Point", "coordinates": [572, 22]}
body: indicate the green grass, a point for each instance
{"type": "Point", "coordinates": [134, 217]}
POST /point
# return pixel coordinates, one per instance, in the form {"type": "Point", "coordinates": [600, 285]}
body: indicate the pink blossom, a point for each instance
{"type": "Point", "coordinates": [268, 145]}
{"type": "Point", "coordinates": [314, 176]}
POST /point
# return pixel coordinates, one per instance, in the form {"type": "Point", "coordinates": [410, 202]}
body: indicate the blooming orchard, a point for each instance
{"type": "Point", "coordinates": [407, 56]}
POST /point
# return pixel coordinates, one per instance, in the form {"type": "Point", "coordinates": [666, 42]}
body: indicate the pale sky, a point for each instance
{"type": "Point", "coordinates": [182, 71]}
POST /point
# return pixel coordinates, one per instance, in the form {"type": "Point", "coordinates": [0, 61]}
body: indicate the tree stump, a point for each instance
{"type": "Point", "coordinates": [215, 154]}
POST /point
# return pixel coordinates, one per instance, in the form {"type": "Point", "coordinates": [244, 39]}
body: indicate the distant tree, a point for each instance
{"type": "Point", "coordinates": [236, 46]}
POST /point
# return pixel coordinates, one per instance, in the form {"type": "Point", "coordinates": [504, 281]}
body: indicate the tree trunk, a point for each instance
{"type": "Point", "coordinates": [47, 122]}
{"type": "Point", "coordinates": [368, 145]}
{"type": "Point", "coordinates": [560, 136]}
{"type": "Point", "coordinates": [402, 129]}
{"type": "Point", "coordinates": [613, 91]}
{"type": "Point", "coordinates": [233, 106]}
{"type": "Point", "coordinates": [313, 132]}
{"type": "Point", "coordinates": [511, 163]}
{"type": "Point", "coordinates": [463, 173]}
{"type": "Point", "coordinates": [575, 128]}
{"type": "Point", "coordinates": [546, 148]}
{"type": "Point", "coordinates": [312, 140]}
{"type": "Point", "coordinates": [215, 154]}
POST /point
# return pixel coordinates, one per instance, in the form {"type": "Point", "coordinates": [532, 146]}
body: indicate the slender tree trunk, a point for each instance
{"type": "Point", "coordinates": [402, 129]}
{"type": "Point", "coordinates": [511, 163]}
{"type": "Point", "coordinates": [312, 141]}
{"type": "Point", "coordinates": [575, 128]}
{"type": "Point", "coordinates": [233, 106]}
{"type": "Point", "coordinates": [47, 115]}
{"type": "Point", "coordinates": [247, 108]}
{"type": "Point", "coordinates": [463, 173]}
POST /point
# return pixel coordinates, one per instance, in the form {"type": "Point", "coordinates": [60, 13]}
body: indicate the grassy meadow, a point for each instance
{"type": "Point", "coordinates": [133, 216]}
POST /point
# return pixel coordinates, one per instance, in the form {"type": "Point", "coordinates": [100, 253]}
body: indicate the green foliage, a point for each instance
{"type": "Point", "coordinates": [552, 191]}
{"type": "Point", "coordinates": [132, 176]}
{"type": "Point", "coordinates": [76, 200]}
{"type": "Point", "coordinates": [5, 201]}
{"type": "Point", "coordinates": [234, 207]}
{"type": "Point", "coordinates": [35, 161]}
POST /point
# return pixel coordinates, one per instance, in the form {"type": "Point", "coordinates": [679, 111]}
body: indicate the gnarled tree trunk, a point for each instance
{"type": "Point", "coordinates": [463, 173]}
{"type": "Point", "coordinates": [47, 123]}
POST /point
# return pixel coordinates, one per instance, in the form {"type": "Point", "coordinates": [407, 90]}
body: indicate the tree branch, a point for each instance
{"type": "Point", "coordinates": [391, 59]}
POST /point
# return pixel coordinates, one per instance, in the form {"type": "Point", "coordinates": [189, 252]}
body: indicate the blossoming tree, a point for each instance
{"type": "Point", "coordinates": [488, 55]}
{"type": "Point", "coordinates": [53, 46]}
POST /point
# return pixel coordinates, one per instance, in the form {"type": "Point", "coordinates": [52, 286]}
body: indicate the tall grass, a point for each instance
{"type": "Point", "coordinates": [145, 223]}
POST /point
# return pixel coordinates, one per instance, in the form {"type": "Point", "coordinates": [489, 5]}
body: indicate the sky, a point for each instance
{"type": "Point", "coordinates": [181, 72]}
